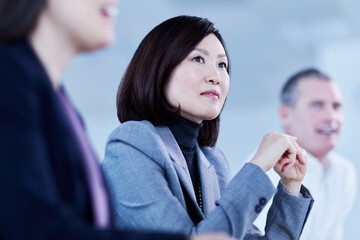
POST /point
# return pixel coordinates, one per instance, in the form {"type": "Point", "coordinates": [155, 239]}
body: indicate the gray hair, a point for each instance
{"type": "Point", "coordinates": [289, 93]}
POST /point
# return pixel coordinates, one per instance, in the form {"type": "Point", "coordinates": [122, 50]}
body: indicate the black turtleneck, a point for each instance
{"type": "Point", "coordinates": [186, 133]}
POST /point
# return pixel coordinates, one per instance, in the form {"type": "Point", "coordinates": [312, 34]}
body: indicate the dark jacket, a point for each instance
{"type": "Point", "coordinates": [43, 189]}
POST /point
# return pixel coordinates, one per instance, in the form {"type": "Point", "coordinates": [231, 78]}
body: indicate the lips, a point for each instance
{"type": "Point", "coordinates": [326, 131]}
{"type": "Point", "coordinates": [328, 128]}
{"type": "Point", "coordinates": [211, 94]}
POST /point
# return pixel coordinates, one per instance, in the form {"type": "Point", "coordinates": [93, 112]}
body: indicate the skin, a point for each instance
{"type": "Point", "coordinates": [316, 118]}
{"type": "Point", "coordinates": [204, 70]}
{"type": "Point", "coordinates": [281, 152]}
{"type": "Point", "coordinates": [68, 27]}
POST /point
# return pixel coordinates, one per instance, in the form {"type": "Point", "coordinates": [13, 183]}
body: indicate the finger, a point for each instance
{"type": "Point", "coordinates": [301, 153]}
{"type": "Point", "coordinates": [291, 151]}
{"type": "Point", "coordinates": [291, 157]}
{"type": "Point", "coordinates": [287, 167]}
{"type": "Point", "coordinates": [284, 160]}
{"type": "Point", "coordinates": [289, 136]}
{"type": "Point", "coordinates": [284, 169]}
{"type": "Point", "coordinates": [304, 160]}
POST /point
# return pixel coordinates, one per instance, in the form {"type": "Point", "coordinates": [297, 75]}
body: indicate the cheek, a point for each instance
{"type": "Point", "coordinates": [181, 86]}
{"type": "Point", "coordinates": [300, 124]}
{"type": "Point", "coordinates": [225, 87]}
{"type": "Point", "coordinates": [172, 91]}
{"type": "Point", "coordinates": [99, 32]}
{"type": "Point", "coordinates": [304, 122]}
{"type": "Point", "coordinates": [340, 118]}
{"type": "Point", "coordinates": [92, 31]}
{"type": "Point", "coordinates": [168, 94]}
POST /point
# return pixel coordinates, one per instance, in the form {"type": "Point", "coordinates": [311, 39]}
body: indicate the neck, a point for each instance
{"type": "Point", "coordinates": [321, 157]}
{"type": "Point", "coordinates": [185, 131]}
{"type": "Point", "coordinates": [52, 48]}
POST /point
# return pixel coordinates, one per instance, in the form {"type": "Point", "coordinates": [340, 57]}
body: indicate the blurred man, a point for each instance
{"type": "Point", "coordinates": [311, 110]}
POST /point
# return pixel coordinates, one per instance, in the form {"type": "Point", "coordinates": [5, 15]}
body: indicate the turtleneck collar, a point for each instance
{"type": "Point", "coordinates": [185, 131]}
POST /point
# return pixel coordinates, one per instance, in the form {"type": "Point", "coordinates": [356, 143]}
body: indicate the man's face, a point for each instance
{"type": "Point", "coordinates": [316, 117]}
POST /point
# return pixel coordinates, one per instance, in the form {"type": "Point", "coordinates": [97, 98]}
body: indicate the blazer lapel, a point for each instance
{"type": "Point", "coordinates": [209, 184]}
{"type": "Point", "coordinates": [179, 162]}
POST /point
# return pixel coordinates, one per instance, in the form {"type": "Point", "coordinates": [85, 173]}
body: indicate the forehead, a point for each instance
{"type": "Point", "coordinates": [212, 44]}
{"type": "Point", "coordinates": [314, 89]}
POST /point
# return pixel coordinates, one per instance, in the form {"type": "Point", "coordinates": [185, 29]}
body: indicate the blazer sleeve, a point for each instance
{"type": "Point", "coordinates": [142, 182]}
{"type": "Point", "coordinates": [30, 203]}
{"type": "Point", "coordinates": [288, 213]}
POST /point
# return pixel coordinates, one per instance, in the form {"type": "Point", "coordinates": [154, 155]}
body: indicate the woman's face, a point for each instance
{"type": "Point", "coordinates": [200, 83]}
{"type": "Point", "coordinates": [86, 24]}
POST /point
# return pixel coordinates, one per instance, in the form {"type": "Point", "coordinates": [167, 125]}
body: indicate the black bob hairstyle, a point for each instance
{"type": "Point", "coordinates": [141, 91]}
{"type": "Point", "coordinates": [18, 18]}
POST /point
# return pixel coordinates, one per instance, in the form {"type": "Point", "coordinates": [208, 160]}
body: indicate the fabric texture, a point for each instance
{"type": "Point", "coordinates": [44, 190]}
{"type": "Point", "coordinates": [147, 174]}
{"type": "Point", "coordinates": [100, 203]}
{"type": "Point", "coordinates": [186, 133]}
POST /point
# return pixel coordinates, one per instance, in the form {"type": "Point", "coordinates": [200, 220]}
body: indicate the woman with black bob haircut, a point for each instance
{"type": "Point", "coordinates": [161, 163]}
{"type": "Point", "coordinates": [141, 94]}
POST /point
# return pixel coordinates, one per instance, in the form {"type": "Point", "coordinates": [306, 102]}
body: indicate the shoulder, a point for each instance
{"type": "Point", "coordinates": [11, 69]}
{"type": "Point", "coordinates": [139, 130]}
{"type": "Point", "coordinates": [22, 72]}
{"type": "Point", "coordinates": [24, 83]}
{"type": "Point", "coordinates": [343, 169]}
{"type": "Point", "coordinates": [342, 164]}
{"type": "Point", "coordinates": [19, 60]}
{"type": "Point", "coordinates": [137, 135]}
{"type": "Point", "coordinates": [345, 179]}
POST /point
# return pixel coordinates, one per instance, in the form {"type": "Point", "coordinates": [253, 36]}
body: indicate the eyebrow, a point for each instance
{"type": "Point", "coordinates": [221, 55]}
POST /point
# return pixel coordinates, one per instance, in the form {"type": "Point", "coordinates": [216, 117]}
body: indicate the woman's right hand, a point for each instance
{"type": "Point", "coordinates": [276, 147]}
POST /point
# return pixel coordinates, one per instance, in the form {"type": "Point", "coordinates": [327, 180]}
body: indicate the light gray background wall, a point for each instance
{"type": "Point", "coordinates": [267, 41]}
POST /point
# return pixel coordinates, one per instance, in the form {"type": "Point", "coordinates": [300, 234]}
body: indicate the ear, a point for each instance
{"type": "Point", "coordinates": [284, 114]}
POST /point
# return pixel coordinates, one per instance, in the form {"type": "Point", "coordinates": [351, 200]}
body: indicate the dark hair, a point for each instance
{"type": "Point", "coordinates": [289, 94]}
{"type": "Point", "coordinates": [141, 91]}
{"type": "Point", "coordinates": [18, 18]}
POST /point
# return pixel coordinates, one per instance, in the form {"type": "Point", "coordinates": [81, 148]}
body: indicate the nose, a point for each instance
{"type": "Point", "coordinates": [328, 113]}
{"type": "Point", "coordinates": [214, 81]}
{"type": "Point", "coordinates": [213, 76]}
{"type": "Point", "coordinates": [332, 115]}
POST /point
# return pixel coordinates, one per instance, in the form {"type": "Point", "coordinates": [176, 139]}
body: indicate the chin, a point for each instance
{"type": "Point", "coordinates": [98, 44]}
{"type": "Point", "coordinates": [329, 147]}
{"type": "Point", "coordinates": [211, 115]}
{"type": "Point", "coordinates": [105, 42]}
{"type": "Point", "coordinates": [209, 118]}
{"type": "Point", "coordinates": [332, 144]}
{"type": "Point", "coordinates": [109, 40]}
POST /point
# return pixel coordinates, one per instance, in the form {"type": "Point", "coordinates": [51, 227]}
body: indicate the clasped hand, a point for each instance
{"type": "Point", "coordinates": [281, 152]}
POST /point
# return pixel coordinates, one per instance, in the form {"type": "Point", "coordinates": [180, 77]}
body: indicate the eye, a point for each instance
{"type": "Point", "coordinates": [316, 105]}
{"type": "Point", "coordinates": [337, 106]}
{"type": "Point", "coordinates": [198, 59]}
{"type": "Point", "coordinates": [222, 65]}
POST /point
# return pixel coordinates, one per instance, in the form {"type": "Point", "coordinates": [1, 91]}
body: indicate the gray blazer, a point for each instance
{"type": "Point", "coordinates": [147, 174]}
